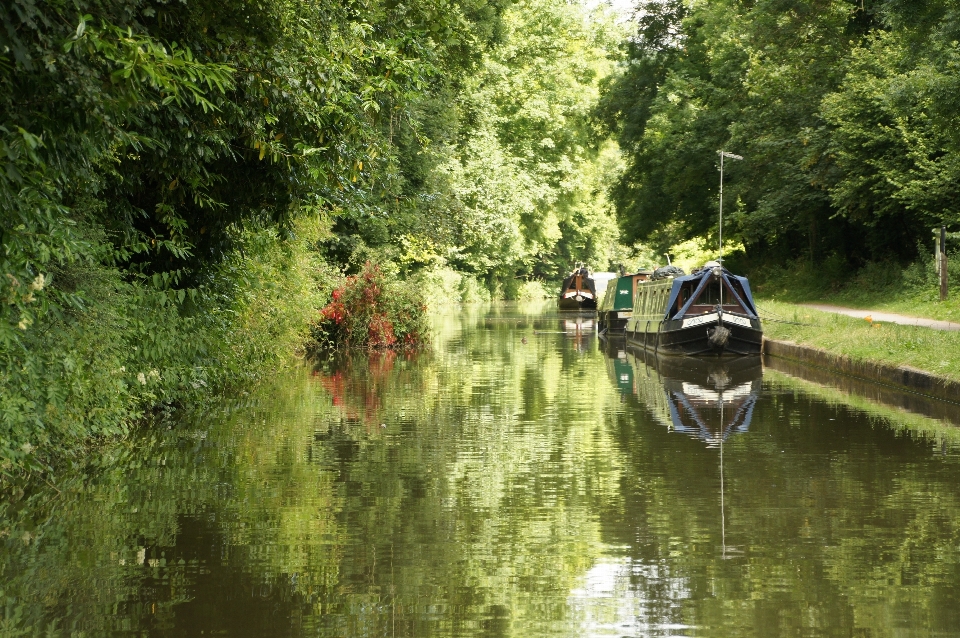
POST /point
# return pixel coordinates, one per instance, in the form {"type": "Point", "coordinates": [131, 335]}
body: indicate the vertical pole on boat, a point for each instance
{"type": "Point", "coordinates": [723, 154]}
{"type": "Point", "coordinates": [721, 309]}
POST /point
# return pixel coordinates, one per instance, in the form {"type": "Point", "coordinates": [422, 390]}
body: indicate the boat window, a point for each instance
{"type": "Point", "coordinates": [710, 295]}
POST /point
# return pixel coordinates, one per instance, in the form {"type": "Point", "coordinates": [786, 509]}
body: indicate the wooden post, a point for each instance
{"type": "Point", "coordinates": [943, 263]}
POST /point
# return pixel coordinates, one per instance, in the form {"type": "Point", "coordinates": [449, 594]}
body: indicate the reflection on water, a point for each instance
{"type": "Point", "coordinates": [521, 478]}
{"type": "Point", "coordinates": [708, 398]}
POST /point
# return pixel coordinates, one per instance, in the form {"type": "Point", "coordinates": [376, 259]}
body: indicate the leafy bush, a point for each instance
{"type": "Point", "coordinates": [370, 310]}
{"type": "Point", "coordinates": [876, 284]}
{"type": "Point", "coordinates": [442, 286]}
{"type": "Point", "coordinates": [91, 373]}
{"type": "Point", "coordinates": [533, 289]}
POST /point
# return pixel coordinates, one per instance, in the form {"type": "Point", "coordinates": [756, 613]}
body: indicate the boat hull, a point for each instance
{"type": "Point", "coordinates": [575, 303]}
{"type": "Point", "coordinates": [672, 337]}
{"type": "Point", "coordinates": [613, 322]}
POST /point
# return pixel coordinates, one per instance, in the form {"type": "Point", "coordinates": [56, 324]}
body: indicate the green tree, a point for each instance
{"type": "Point", "coordinates": [839, 108]}
{"type": "Point", "coordinates": [158, 161]}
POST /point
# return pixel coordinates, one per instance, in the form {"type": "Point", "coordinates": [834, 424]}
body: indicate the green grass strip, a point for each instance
{"type": "Point", "coordinates": [934, 351]}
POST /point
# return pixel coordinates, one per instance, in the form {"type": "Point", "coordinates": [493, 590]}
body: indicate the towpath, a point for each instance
{"type": "Point", "coordinates": [888, 317]}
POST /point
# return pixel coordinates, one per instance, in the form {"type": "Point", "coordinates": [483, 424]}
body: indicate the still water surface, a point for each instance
{"type": "Point", "coordinates": [520, 479]}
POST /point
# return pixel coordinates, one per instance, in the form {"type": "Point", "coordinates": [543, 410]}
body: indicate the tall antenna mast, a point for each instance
{"type": "Point", "coordinates": [723, 154]}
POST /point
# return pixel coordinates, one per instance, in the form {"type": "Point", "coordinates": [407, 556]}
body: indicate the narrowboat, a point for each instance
{"type": "Point", "coordinates": [709, 312]}
{"type": "Point", "coordinates": [617, 304]}
{"type": "Point", "coordinates": [578, 291]}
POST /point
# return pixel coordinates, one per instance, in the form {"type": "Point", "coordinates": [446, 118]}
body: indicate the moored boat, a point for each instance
{"type": "Point", "coordinates": [708, 312]}
{"type": "Point", "coordinates": [617, 304]}
{"type": "Point", "coordinates": [578, 292]}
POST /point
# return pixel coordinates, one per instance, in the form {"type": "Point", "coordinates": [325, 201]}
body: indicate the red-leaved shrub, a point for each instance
{"type": "Point", "coordinates": [370, 311]}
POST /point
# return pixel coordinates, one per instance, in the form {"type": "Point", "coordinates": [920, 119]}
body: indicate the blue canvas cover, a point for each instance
{"type": "Point", "coordinates": [704, 278]}
{"type": "Point", "coordinates": [675, 290]}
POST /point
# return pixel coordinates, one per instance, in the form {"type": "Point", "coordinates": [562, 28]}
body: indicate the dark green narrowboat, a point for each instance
{"type": "Point", "coordinates": [617, 305]}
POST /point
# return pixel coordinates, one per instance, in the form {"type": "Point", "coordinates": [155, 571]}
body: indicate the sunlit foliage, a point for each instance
{"type": "Point", "coordinates": [843, 110]}
{"type": "Point", "coordinates": [166, 170]}
{"type": "Point", "coordinates": [504, 179]}
{"type": "Point", "coordinates": [370, 310]}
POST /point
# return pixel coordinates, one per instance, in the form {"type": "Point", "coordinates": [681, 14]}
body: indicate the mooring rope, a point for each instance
{"type": "Point", "coordinates": [779, 319]}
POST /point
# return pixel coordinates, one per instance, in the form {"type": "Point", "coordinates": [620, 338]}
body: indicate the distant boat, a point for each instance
{"type": "Point", "coordinates": [579, 291]}
{"type": "Point", "coordinates": [709, 312]}
{"type": "Point", "coordinates": [617, 304]}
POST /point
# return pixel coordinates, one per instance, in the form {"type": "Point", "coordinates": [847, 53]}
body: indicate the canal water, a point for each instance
{"type": "Point", "coordinates": [520, 478]}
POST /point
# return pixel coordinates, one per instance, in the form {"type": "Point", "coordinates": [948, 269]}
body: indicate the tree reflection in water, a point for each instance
{"type": "Point", "coordinates": [513, 480]}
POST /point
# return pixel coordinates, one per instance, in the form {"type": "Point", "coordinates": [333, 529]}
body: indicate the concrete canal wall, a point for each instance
{"type": "Point", "coordinates": [905, 377]}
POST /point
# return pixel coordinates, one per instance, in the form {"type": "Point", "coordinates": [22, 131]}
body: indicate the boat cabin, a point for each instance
{"type": "Point", "coordinates": [578, 291]}
{"type": "Point", "coordinates": [709, 289]}
{"type": "Point", "coordinates": [617, 304]}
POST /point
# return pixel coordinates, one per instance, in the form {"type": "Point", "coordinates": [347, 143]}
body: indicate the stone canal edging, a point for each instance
{"type": "Point", "coordinates": [906, 377]}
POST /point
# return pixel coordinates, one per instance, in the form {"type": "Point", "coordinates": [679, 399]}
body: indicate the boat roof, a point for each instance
{"type": "Point", "coordinates": [700, 276]}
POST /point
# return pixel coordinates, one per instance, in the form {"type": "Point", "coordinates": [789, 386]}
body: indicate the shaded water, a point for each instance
{"type": "Point", "coordinates": [520, 479]}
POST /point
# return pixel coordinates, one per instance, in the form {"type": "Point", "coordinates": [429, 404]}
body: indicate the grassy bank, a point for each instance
{"type": "Point", "coordinates": [931, 350]}
{"type": "Point", "coordinates": [911, 290]}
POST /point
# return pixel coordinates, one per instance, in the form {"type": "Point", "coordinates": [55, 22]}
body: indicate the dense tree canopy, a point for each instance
{"type": "Point", "coordinates": [180, 183]}
{"type": "Point", "coordinates": [845, 112]}
{"type": "Point", "coordinates": [164, 128]}
{"type": "Point", "coordinates": [498, 175]}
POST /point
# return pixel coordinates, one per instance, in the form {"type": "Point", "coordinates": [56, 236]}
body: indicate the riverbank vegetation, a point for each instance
{"type": "Point", "coordinates": [183, 187]}
{"type": "Point", "coordinates": [912, 290]}
{"type": "Point", "coordinates": [935, 351]}
{"type": "Point", "coordinates": [369, 310]}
